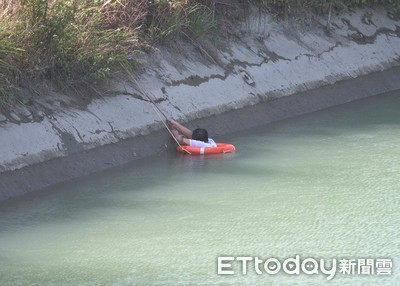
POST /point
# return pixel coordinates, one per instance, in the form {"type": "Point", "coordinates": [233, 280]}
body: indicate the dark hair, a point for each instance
{"type": "Point", "coordinates": [200, 134]}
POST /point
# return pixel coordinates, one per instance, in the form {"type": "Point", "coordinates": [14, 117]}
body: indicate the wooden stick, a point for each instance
{"type": "Point", "coordinates": [155, 107]}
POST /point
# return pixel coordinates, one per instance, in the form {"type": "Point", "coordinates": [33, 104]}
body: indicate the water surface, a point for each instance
{"type": "Point", "coordinates": [324, 185]}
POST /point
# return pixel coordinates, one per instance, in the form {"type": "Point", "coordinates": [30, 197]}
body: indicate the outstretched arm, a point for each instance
{"type": "Point", "coordinates": [182, 129]}
{"type": "Point", "coordinates": [180, 138]}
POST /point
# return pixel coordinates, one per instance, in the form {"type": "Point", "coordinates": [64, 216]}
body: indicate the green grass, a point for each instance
{"type": "Point", "coordinates": [74, 41]}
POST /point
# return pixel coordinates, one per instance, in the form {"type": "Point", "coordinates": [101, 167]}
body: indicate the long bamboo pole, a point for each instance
{"type": "Point", "coordinates": [155, 107]}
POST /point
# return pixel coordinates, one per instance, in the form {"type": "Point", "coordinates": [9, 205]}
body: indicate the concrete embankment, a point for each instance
{"type": "Point", "coordinates": [263, 72]}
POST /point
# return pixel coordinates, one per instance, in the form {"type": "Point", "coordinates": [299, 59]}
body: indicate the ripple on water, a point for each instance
{"type": "Point", "coordinates": [324, 185]}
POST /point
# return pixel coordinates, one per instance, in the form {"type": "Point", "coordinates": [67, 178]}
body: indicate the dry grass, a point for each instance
{"type": "Point", "coordinates": [67, 41]}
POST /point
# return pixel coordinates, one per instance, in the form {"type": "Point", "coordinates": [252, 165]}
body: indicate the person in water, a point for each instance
{"type": "Point", "coordinates": [196, 138]}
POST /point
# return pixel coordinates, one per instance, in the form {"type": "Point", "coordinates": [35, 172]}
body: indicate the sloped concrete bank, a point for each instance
{"type": "Point", "coordinates": [263, 72]}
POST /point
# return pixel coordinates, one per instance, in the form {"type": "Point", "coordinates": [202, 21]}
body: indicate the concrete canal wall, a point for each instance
{"type": "Point", "coordinates": [261, 72]}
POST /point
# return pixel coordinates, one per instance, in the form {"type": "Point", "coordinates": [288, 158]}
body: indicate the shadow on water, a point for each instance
{"type": "Point", "coordinates": [70, 201]}
{"type": "Point", "coordinates": [365, 114]}
{"type": "Point", "coordinates": [122, 187]}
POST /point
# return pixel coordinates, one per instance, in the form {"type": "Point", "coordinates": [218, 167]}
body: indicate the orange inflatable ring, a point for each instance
{"type": "Point", "coordinates": [221, 148]}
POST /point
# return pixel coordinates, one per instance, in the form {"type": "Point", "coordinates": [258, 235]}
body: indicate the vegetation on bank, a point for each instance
{"type": "Point", "coordinates": [73, 41]}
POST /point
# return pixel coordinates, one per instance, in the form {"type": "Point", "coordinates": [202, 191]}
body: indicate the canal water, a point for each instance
{"type": "Point", "coordinates": [321, 186]}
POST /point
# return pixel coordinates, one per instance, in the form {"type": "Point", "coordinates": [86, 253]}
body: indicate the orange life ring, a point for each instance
{"type": "Point", "coordinates": [221, 148]}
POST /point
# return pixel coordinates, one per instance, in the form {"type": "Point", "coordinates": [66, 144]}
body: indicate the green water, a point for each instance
{"type": "Point", "coordinates": [325, 185]}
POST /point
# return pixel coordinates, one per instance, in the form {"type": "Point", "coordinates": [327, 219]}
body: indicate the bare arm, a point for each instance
{"type": "Point", "coordinates": [182, 129]}
{"type": "Point", "coordinates": [180, 138]}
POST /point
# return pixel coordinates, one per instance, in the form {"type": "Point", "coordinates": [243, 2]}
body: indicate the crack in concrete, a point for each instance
{"type": "Point", "coordinates": [94, 114]}
{"type": "Point", "coordinates": [77, 132]}
{"type": "Point", "coordinates": [263, 53]}
{"type": "Point", "coordinates": [330, 49]}
{"type": "Point", "coordinates": [174, 106]}
{"type": "Point", "coordinates": [134, 95]}
{"type": "Point", "coordinates": [137, 96]}
{"type": "Point", "coordinates": [338, 44]}
{"type": "Point", "coordinates": [159, 100]}
{"type": "Point", "coordinates": [98, 131]}
{"type": "Point", "coordinates": [113, 131]}
{"type": "Point", "coordinates": [195, 80]}
{"type": "Point", "coordinates": [362, 39]}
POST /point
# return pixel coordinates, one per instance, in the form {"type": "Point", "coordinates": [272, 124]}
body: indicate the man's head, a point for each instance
{"type": "Point", "coordinates": [200, 134]}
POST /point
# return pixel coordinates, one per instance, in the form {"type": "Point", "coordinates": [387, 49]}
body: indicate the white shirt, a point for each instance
{"type": "Point", "coordinates": [201, 144]}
